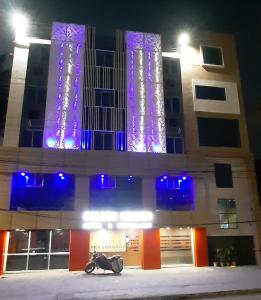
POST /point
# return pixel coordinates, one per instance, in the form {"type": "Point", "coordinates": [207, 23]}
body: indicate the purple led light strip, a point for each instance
{"type": "Point", "coordinates": [63, 116]}
{"type": "Point", "coordinates": [145, 119]}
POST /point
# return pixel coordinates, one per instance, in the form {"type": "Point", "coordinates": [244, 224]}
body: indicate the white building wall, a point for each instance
{"type": "Point", "coordinates": [16, 96]}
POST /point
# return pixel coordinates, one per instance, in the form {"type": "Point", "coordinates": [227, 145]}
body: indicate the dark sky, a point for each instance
{"type": "Point", "coordinates": [241, 18]}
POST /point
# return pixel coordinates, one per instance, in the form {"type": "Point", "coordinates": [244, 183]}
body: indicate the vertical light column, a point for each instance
{"type": "Point", "coordinates": [63, 116]}
{"type": "Point", "coordinates": [145, 102]}
{"type": "Point", "coordinates": [16, 97]}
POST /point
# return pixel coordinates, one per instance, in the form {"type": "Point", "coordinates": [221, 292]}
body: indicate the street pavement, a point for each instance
{"type": "Point", "coordinates": [131, 283]}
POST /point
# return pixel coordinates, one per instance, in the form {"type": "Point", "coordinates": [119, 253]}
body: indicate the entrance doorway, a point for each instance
{"type": "Point", "coordinates": [175, 246]}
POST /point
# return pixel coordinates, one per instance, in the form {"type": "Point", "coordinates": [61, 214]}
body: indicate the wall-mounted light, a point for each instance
{"type": "Point", "coordinates": [20, 24]}
{"type": "Point", "coordinates": [183, 39]}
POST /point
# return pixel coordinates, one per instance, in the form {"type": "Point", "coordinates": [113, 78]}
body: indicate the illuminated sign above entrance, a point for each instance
{"type": "Point", "coordinates": [113, 219]}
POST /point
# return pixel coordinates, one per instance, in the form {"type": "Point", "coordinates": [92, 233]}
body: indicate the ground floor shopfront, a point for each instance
{"type": "Point", "coordinates": [28, 250]}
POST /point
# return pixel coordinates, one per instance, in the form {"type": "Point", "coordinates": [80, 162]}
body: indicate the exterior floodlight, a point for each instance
{"type": "Point", "coordinates": [20, 23]}
{"type": "Point", "coordinates": [183, 39]}
{"type": "Point", "coordinates": [22, 173]}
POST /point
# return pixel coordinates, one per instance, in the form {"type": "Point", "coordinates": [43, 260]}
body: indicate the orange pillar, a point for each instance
{"type": "Point", "coordinates": [79, 249]}
{"type": "Point", "coordinates": [150, 249]}
{"type": "Point", "coordinates": [200, 247]}
{"type": "Point", "coordinates": [3, 234]}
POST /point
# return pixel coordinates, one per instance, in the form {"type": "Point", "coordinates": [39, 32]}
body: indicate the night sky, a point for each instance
{"type": "Point", "coordinates": [241, 18]}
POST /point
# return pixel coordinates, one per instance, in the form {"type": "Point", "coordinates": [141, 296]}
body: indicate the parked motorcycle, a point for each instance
{"type": "Point", "coordinates": [99, 260]}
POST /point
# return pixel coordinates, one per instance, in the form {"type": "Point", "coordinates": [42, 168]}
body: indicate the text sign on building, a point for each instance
{"type": "Point", "coordinates": [113, 219]}
{"type": "Point", "coordinates": [108, 241]}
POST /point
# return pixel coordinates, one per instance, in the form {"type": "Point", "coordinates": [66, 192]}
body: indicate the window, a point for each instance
{"type": "Point", "coordinates": [35, 181]}
{"type": "Point", "coordinates": [175, 145]}
{"type": "Point", "coordinates": [48, 192]}
{"type": "Point", "coordinates": [174, 193]}
{"type": "Point", "coordinates": [37, 250]}
{"type": "Point", "coordinates": [103, 181]}
{"type": "Point", "coordinates": [227, 213]}
{"type": "Point", "coordinates": [171, 122]}
{"type": "Point", "coordinates": [218, 132]}
{"type": "Point", "coordinates": [223, 175]}
{"type": "Point", "coordinates": [103, 140]}
{"type": "Point", "coordinates": [104, 58]}
{"type": "Point", "coordinates": [212, 56]}
{"type": "Point", "coordinates": [170, 66]}
{"type": "Point", "coordinates": [31, 138]}
{"type": "Point", "coordinates": [118, 192]}
{"type": "Point", "coordinates": [172, 105]}
{"type": "Point", "coordinates": [210, 93]}
{"type": "Point", "coordinates": [104, 97]}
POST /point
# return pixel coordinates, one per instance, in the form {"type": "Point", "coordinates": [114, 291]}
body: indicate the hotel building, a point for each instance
{"type": "Point", "coordinates": [125, 142]}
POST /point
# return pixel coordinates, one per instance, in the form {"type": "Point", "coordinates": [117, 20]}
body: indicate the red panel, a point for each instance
{"type": "Point", "coordinates": [3, 234]}
{"type": "Point", "coordinates": [79, 249]}
{"type": "Point", "coordinates": [150, 249]}
{"type": "Point", "coordinates": [200, 247]}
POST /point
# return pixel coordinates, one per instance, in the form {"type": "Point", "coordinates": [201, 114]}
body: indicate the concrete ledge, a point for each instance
{"type": "Point", "coordinates": [85, 296]}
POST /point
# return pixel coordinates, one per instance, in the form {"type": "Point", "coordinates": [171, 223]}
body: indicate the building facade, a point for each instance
{"type": "Point", "coordinates": [117, 142]}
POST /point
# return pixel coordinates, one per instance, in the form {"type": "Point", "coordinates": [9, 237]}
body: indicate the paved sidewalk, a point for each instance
{"type": "Point", "coordinates": [132, 283]}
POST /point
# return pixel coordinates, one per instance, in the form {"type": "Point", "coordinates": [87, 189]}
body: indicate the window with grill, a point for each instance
{"type": "Point", "coordinates": [227, 213]}
{"type": "Point", "coordinates": [104, 97]}
{"type": "Point", "coordinates": [104, 58]}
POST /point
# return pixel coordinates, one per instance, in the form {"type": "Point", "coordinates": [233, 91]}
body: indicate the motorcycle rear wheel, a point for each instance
{"type": "Point", "coordinates": [117, 268]}
{"type": "Point", "coordinates": [89, 268]}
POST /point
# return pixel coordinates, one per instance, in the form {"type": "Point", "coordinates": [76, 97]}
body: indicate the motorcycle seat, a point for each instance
{"type": "Point", "coordinates": [113, 257]}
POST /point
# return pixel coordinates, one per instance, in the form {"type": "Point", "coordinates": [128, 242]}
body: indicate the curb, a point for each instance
{"type": "Point", "coordinates": [200, 295]}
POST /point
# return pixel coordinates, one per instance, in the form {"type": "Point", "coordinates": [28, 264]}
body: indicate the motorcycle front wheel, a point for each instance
{"type": "Point", "coordinates": [89, 268]}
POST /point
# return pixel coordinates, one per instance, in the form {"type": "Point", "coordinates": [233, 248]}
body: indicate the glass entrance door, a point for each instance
{"type": "Point", "coordinates": [175, 246]}
{"type": "Point", "coordinates": [37, 250]}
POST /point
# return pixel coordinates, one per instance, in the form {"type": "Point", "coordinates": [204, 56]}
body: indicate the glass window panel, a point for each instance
{"type": "Point", "coordinates": [60, 241]}
{"type": "Point", "coordinates": [170, 145]}
{"type": "Point", "coordinates": [178, 145]}
{"type": "Point", "coordinates": [108, 141]}
{"type": "Point", "coordinates": [38, 139]}
{"type": "Point", "coordinates": [26, 140]}
{"type": "Point", "coordinates": [38, 262]}
{"type": "Point", "coordinates": [98, 97]}
{"type": "Point", "coordinates": [232, 218]}
{"type": "Point", "coordinates": [223, 175]}
{"type": "Point", "coordinates": [18, 242]}
{"type": "Point", "coordinates": [212, 55]}
{"type": "Point", "coordinates": [59, 261]}
{"type": "Point", "coordinates": [222, 205]}
{"type": "Point", "coordinates": [231, 204]}
{"type": "Point", "coordinates": [107, 98]}
{"type": "Point", "coordinates": [39, 241]}
{"type": "Point", "coordinates": [108, 119]}
{"type": "Point", "coordinates": [98, 141]}
{"type": "Point", "coordinates": [16, 263]}
{"type": "Point", "coordinates": [223, 218]}
{"type": "Point", "coordinates": [172, 122]}
{"type": "Point", "coordinates": [210, 93]}
{"type": "Point", "coordinates": [109, 59]}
